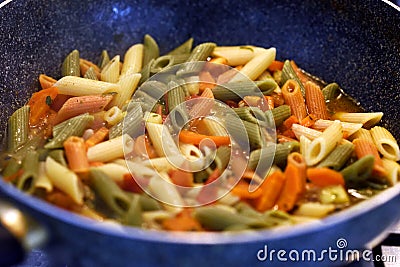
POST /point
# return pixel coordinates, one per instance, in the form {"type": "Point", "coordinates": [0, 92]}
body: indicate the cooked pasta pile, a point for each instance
{"type": "Point", "coordinates": [90, 142]}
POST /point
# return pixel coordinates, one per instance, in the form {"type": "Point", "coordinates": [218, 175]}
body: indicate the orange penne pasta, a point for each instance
{"type": "Point", "coordinates": [86, 64]}
{"type": "Point", "coordinates": [315, 101]}
{"type": "Point", "coordinates": [364, 147]}
{"type": "Point", "coordinates": [294, 186]}
{"type": "Point", "coordinates": [75, 152]}
{"type": "Point", "coordinates": [292, 94]}
{"type": "Point", "coordinates": [82, 104]}
{"type": "Point", "coordinates": [46, 81]}
{"type": "Point", "coordinates": [97, 137]}
{"type": "Point", "coordinates": [303, 78]}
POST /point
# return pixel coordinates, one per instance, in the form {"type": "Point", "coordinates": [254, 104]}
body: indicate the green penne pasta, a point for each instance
{"type": "Point", "coordinates": [58, 155]}
{"type": "Point", "coordinates": [150, 49]}
{"type": "Point", "coordinates": [131, 124]}
{"type": "Point", "coordinates": [222, 157]}
{"type": "Point", "coordinates": [91, 74]}
{"type": "Point", "coordinates": [18, 128]}
{"type": "Point", "coordinates": [12, 167]}
{"type": "Point", "coordinates": [148, 203]}
{"type": "Point", "coordinates": [115, 199]}
{"type": "Point", "coordinates": [155, 89]}
{"type": "Point", "coordinates": [184, 48]}
{"type": "Point", "coordinates": [70, 66]}
{"type": "Point", "coordinates": [104, 59]}
{"type": "Point", "coordinates": [235, 91]}
{"type": "Point", "coordinates": [331, 91]}
{"type": "Point", "coordinates": [266, 86]}
{"type": "Point", "coordinates": [194, 63]}
{"type": "Point", "coordinates": [164, 62]}
{"type": "Point", "coordinates": [146, 72]}
{"type": "Point", "coordinates": [338, 157]}
{"type": "Point", "coordinates": [252, 114]}
{"type": "Point", "coordinates": [279, 114]}
{"type": "Point", "coordinates": [175, 95]}
{"type": "Point", "coordinates": [30, 167]}
{"type": "Point", "coordinates": [288, 73]}
{"type": "Point", "coordinates": [178, 117]}
{"type": "Point", "coordinates": [357, 173]}
{"type": "Point", "coordinates": [283, 150]}
{"type": "Point", "coordinates": [133, 216]}
{"type": "Point", "coordinates": [251, 135]}
{"type": "Point", "coordinates": [260, 157]}
{"type": "Point", "coordinates": [74, 126]}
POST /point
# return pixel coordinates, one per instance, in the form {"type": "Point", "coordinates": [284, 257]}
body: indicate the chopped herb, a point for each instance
{"type": "Point", "coordinates": [48, 100]}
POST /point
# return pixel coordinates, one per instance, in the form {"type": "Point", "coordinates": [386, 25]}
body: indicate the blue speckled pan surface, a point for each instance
{"type": "Point", "coordinates": [354, 43]}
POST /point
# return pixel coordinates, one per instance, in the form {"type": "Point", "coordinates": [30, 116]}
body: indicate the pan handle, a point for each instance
{"type": "Point", "coordinates": [19, 233]}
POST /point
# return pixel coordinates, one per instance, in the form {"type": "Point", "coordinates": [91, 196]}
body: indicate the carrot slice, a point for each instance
{"type": "Point", "coordinates": [271, 189]}
{"type": "Point", "coordinates": [325, 177]}
{"type": "Point", "coordinates": [40, 104]}
{"type": "Point", "coordinates": [182, 222]}
{"type": "Point", "coordinates": [241, 189]}
{"type": "Point", "coordinates": [276, 65]}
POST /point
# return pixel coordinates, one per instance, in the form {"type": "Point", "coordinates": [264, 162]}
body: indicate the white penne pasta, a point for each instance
{"type": "Point", "coordinates": [110, 72]}
{"type": "Point", "coordinates": [159, 164]}
{"type": "Point", "coordinates": [191, 152]}
{"type": "Point", "coordinates": [304, 144]}
{"type": "Point", "coordinates": [367, 119]}
{"type": "Point", "coordinates": [348, 127]}
{"type": "Point", "coordinates": [43, 180]}
{"type": "Point", "coordinates": [77, 86]}
{"type": "Point", "coordinates": [128, 84]}
{"type": "Point", "coordinates": [111, 149]}
{"type": "Point", "coordinates": [192, 85]}
{"type": "Point", "coordinates": [133, 60]}
{"type": "Point", "coordinates": [393, 170]}
{"type": "Point", "coordinates": [153, 117]}
{"type": "Point", "coordinates": [165, 191]}
{"type": "Point", "coordinates": [300, 130]}
{"type": "Point", "coordinates": [257, 65]}
{"type": "Point", "coordinates": [214, 127]}
{"type": "Point", "coordinates": [113, 115]}
{"type": "Point", "coordinates": [115, 171]}
{"type": "Point", "coordinates": [162, 140]}
{"type": "Point", "coordinates": [228, 199]}
{"type": "Point", "coordinates": [362, 134]}
{"type": "Point", "coordinates": [140, 170]}
{"type": "Point", "coordinates": [321, 146]}
{"type": "Point", "coordinates": [65, 180]}
{"type": "Point", "coordinates": [314, 209]}
{"type": "Point", "coordinates": [234, 55]}
{"type": "Point", "coordinates": [153, 217]}
{"type": "Point", "coordinates": [386, 143]}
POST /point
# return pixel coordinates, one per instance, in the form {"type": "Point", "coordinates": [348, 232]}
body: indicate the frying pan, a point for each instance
{"type": "Point", "coordinates": [354, 43]}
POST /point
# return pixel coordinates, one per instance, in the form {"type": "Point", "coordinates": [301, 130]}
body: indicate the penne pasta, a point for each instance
{"type": "Point", "coordinates": [392, 169]}
{"type": "Point", "coordinates": [293, 97]}
{"type": "Point", "coordinates": [385, 143]}
{"type": "Point", "coordinates": [364, 148]}
{"type": "Point", "coordinates": [150, 49]}
{"type": "Point", "coordinates": [234, 55]}
{"type": "Point", "coordinates": [367, 119]}
{"type": "Point", "coordinates": [349, 128]}
{"type": "Point", "coordinates": [127, 86]}
{"type": "Point", "coordinates": [321, 146]}
{"type": "Point", "coordinates": [18, 128]}
{"type": "Point", "coordinates": [75, 152]}
{"type": "Point", "coordinates": [111, 149]}
{"type": "Point", "coordinates": [300, 131]}
{"type": "Point", "coordinates": [110, 72]}
{"type": "Point", "coordinates": [65, 180]}
{"type": "Point", "coordinates": [362, 134]}
{"type": "Point", "coordinates": [77, 86]}
{"type": "Point", "coordinates": [133, 60]}
{"type": "Point", "coordinates": [315, 101]}
{"type": "Point", "coordinates": [70, 66]}
{"type": "Point", "coordinates": [43, 180]}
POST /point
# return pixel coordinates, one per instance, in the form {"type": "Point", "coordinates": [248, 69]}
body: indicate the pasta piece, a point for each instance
{"type": "Point", "coordinates": [75, 106]}
{"type": "Point", "coordinates": [338, 157]}
{"type": "Point", "coordinates": [43, 180]}
{"type": "Point", "coordinates": [288, 73]}
{"type": "Point", "coordinates": [110, 72]}
{"type": "Point", "coordinates": [133, 60]}
{"type": "Point", "coordinates": [114, 197]}
{"type": "Point", "coordinates": [175, 95]}
{"type": "Point", "coordinates": [252, 114]}
{"type": "Point", "coordinates": [153, 117]}
{"type": "Point", "coordinates": [150, 49]}
{"type": "Point", "coordinates": [104, 59]}
{"type": "Point", "coordinates": [133, 215]}
{"type": "Point", "coordinates": [71, 127]}
{"type": "Point", "coordinates": [321, 146]}
{"type": "Point", "coordinates": [46, 81]}
{"type": "Point", "coordinates": [280, 114]}
{"type": "Point", "coordinates": [304, 144]}
{"type": "Point", "coordinates": [363, 148]}
{"type": "Point", "coordinates": [214, 127]}
{"type": "Point", "coordinates": [367, 119]}
{"type": "Point", "coordinates": [75, 151]}
{"type": "Point", "coordinates": [235, 91]}
{"type": "Point", "coordinates": [386, 143]}
{"type": "Point", "coordinates": [30, 167]}
{"type": "Point", "coordinates": [178, 117]}
{"type": "Point", "coordinates": [193, 64]}
{"type": "Point", "coordinates": [191, 152]}
{"type": "Point", "coordinates": [362, 134]}
{"type": "Point", "coordinates": [184, 48]}
{"type": "Point", "coordinates": [113, 115]}
{"type": "Point", "coordinates": [86, 66]}
{"type": "Point", "coordinates": [18, 128]}
{"type": "Point", "coordinates": [300, 130]}
{"type": "Point", "coordinates": [97, 137]}
{"type": "Point", "coordinates": [162, 63]}
{"type": "Point", "coordinates": [70, 66]}
{"type": "Point", "coordinates": [315, 101]}
{"type": "Point", "coordinates": [127, 86]}
{"type": "Point", "coordinates": [111, 149]}
{"type": "Point", "coordinates": [131, 124]}
{"type": "Point", "coordinates": [115, 171]}
{"type": "Point", "coordinates": [91, 74]}
{"type": "Point", "coordinates": [358, 172]}
{"type": "Point", "coordinates": [349, 128]}
{"type": "Point", "coordinates": [159, 164]}
{"type": "Point", "coordinates": [293, 97]}
{"type": "Point", "coordinates": [146, 72]}
{"type": "Point", "coordinates": [58, 156]}
{"type": "Point", "coordinates": [331, 91]}
{"type": "Point", "coordinates": [393, 170]}
{"type": "Point", "coordinates": [166, 192]}
{"type": "Point", "coordinates": [77, 86]}
{"type": "Point", "coordinates": [257, 65]}
{"type": "Point", "coordinates": [162, 140]}
{"type": "Point", "coordinates": [65, 180]}
{"type": "Point", "coordinates": [234, 55]}
{"type": "Point", "coordinates": [314, 209]}
{"type": "Point", "coordinates": [155, 89]}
